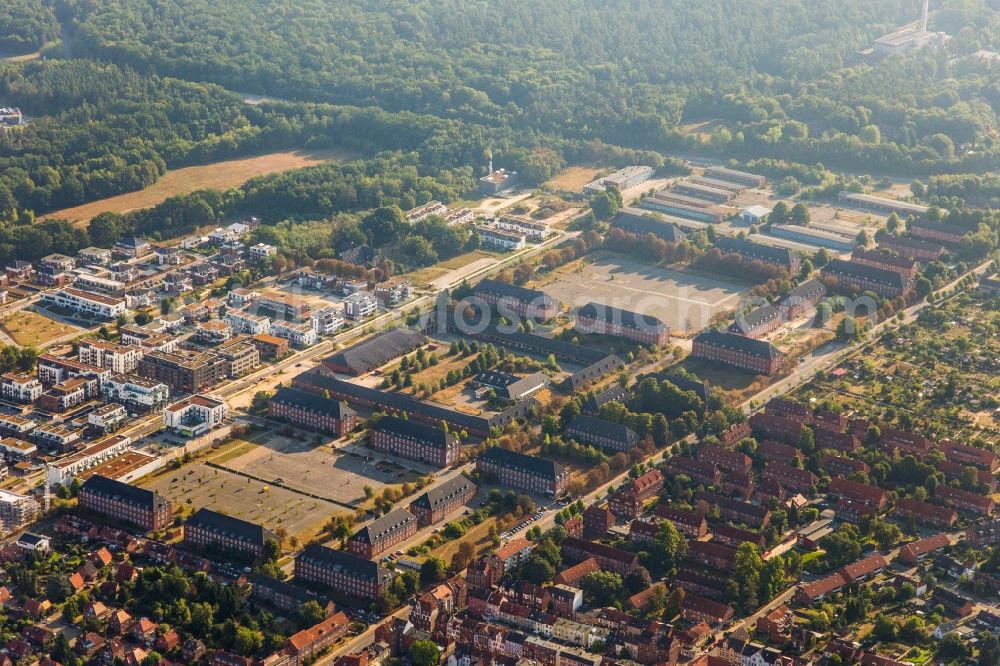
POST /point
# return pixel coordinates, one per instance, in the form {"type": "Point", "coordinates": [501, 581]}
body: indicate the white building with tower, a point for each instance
{"type": "Point", "coordinates": [908, 38]}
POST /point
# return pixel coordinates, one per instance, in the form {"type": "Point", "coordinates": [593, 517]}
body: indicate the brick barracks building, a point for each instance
{"type": "Point", "coordinates": [802, 299]}
{"type": "Point", "coordinates": [383, 533]}
{"type": "Point", "coordinates": [523, 472]}
{"type": "Point", "coordinates": [435, 505]}
{"type": "Point", "coordinates": [913, 247]}
{"type": "Point", "coordinates": [738, 351]}
{"type": "Point", "coordinates": [312, 411]}
{"type": "Point", "coordinates": [126, 503]}
{"type": "Point", "coordinates": [889, 262]}
{"type": "Point", "coordinates": [413, 440]}
{"type": "Point", "coordinates": [595, 318]}
{"type": "Point", "coordinates": [339, 570]}
{"type": "Point", "coordinates": [887, 283]}
{"type": "Point", "coordinates": [527, 303]}
{"type": "Point", "coordinates": [750, 252]}
{"type": "Point", "coordinates": [215, 530]}
{"type": "Point", "coordinates": [935, 231]}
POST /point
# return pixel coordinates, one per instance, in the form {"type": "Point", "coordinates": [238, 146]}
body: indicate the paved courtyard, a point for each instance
{"type": "Point", "coordinates": [681, 300]}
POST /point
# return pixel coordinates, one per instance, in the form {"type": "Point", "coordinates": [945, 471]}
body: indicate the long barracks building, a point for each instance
{"type": "Point", "coordinates": [216, 530]}
{"type": "Point", "coordinates": [739, 351]}
{"type": "Point", "coordinates": [342, 571]}
{"type": "Point", "coordinates": [312, 411]}
{"type": "Point", "coordinates": [888, 283]}
{"type": "Point", "coordinates": [397, 403]}
{"type": "Point", "coordinates": [524, 302]}
{"type": "Point", "coordinates": [528, 473]}
{"type": "Point", "coordinates": [413, 440]}
{"type": "Point", "coordinates": [126, 503]}
{"type": "Point", "coordinates": [383, 533]}
{"type": "Point", "coordinates": [596, 318]}
{"type": "Point", "coordinates": [435, 504]}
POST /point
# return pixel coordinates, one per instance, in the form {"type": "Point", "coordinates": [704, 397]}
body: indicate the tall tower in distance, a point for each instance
{"type": "Point", "coordinates": [923, 17]}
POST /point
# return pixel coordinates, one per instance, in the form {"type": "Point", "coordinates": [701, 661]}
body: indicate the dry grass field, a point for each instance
{"type": "Point", "coordinates": [573, 178]}
{"type": "Point", "coordinates": [29, 328]}
{"type": "Point", "coordinates": [219, 175]}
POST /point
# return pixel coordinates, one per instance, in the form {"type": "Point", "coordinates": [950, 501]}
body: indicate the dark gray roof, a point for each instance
{"type": "Point", "coordinates": [228, 526]}
{"type": "Point", "coordinates": [614, 393]}
{"type": "Point", "coordinates": [374, 530]}
{"type": "Point", "coordinates": [377, 351]}
{"type": "Point", "coordinates": [312, 402]}
{"type": "Point", "coordinates": [102, 485]}
{"type": "Point", "coordinates": [760, 348]}
{"type": "Point", "coordinates": [730, 504]}
{"type": "Point", "coordinates": [804, 292]}
{"type": "Point", "coordinates": [511, 387]}
{"type": "Point", "coordinates": [585, 427]}
{"type": "Point", "coordinates": [351, 565]}
{"type": "Point", "coordinates": [839, 267]}
{"type": "Point", "coordinates": [700, 387]}
{"type": "Point", "coordinates": [520, 294]}
{"type": "Point", "coordinates": [940, 227]}
{"type": "Point", "coordinates": [745, 323]}
{"type": "Point", "coordinates": [902, 243]}
{"type": "Point", "coordinates": [639, 224]}
{"type": "Point", "coordinates": [438, 437]}
{"type": "Point", "coordinates": [280, 587]}
{"type": "Point", "coordinates": [533, 465]}
{"type": "Point", "coordinates": [359, 254]}
{"type": "Point", "coordinates": [626, 318]}
{"type": "Point", "coordinates": [885, 258]}
{"type": "Point", "coordinates": [453, 487]}
{"type": "Point", "coordinates": [755, 251]}
{"type": "Point", "coordinates": [391, 401]}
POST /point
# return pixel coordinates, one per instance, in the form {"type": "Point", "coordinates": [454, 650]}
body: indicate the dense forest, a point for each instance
{"type": "Point", "coordinates": [423, 91]}
{"type": "Point", "coordinates": [25, 26]}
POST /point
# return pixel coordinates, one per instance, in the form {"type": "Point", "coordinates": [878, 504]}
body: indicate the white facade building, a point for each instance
{"type": "Point", "coordinates": [105, 307]}
{"type": "Point", "coordinates": [195, 415]}
{"type": "Point", "coordinates": [327, 320]}
{"type": "Point", "coordinates": [360, 305]}
{"type": "Point", "coordinates": [299, 334]}
{"type": "Point", "coordinates": [244, 322]}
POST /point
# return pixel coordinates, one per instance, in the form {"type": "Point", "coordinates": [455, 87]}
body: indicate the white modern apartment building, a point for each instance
{"type": "Point", "coordinates": [533, 231]}
{"type": "Point", "coordinates": [244, 322]}
{"type": "Point", "coordinates": [360, 305]}
{"type": "Point", "coordinates": [299, 334]}
{"type": "Point", "coordinates": [16, 511]}
{"type": "Point", "coordinates": [20, 387]}
{"type": "Point", "coordinates": [327, 320]}
{"type": "Point", "coordinates": [119, 359]}
{"type": "Point", "coordinates": [195, 415]}
{"type": "Point", "coordinates": [262, 251]}
{"type": "Point", "coordinates": [96, 283]}
{"type": "Point", "coordinates": [136, 393]}
{"type": "Point", "coordinates": [105, 307]}
{"type": "Point", "coordinates": [507, 240]}
{"type": "Point", "coordinates": [64, 471]}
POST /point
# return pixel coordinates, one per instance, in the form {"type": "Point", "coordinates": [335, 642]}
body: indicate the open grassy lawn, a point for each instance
{"type": "Point", "coordinates": [219, 175]}
{"type": "Point", "coordinates": [465, 259]}
{"type": "Point", "coordinates": [28, 328]}
{"type": "Point", "coordinates": [479, 536]}
{"type": "Point", "coordinates": [573, 178]}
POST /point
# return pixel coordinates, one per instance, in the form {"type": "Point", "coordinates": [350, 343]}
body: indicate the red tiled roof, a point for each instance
{"type": "Point", "coordinates": [924, 546]}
